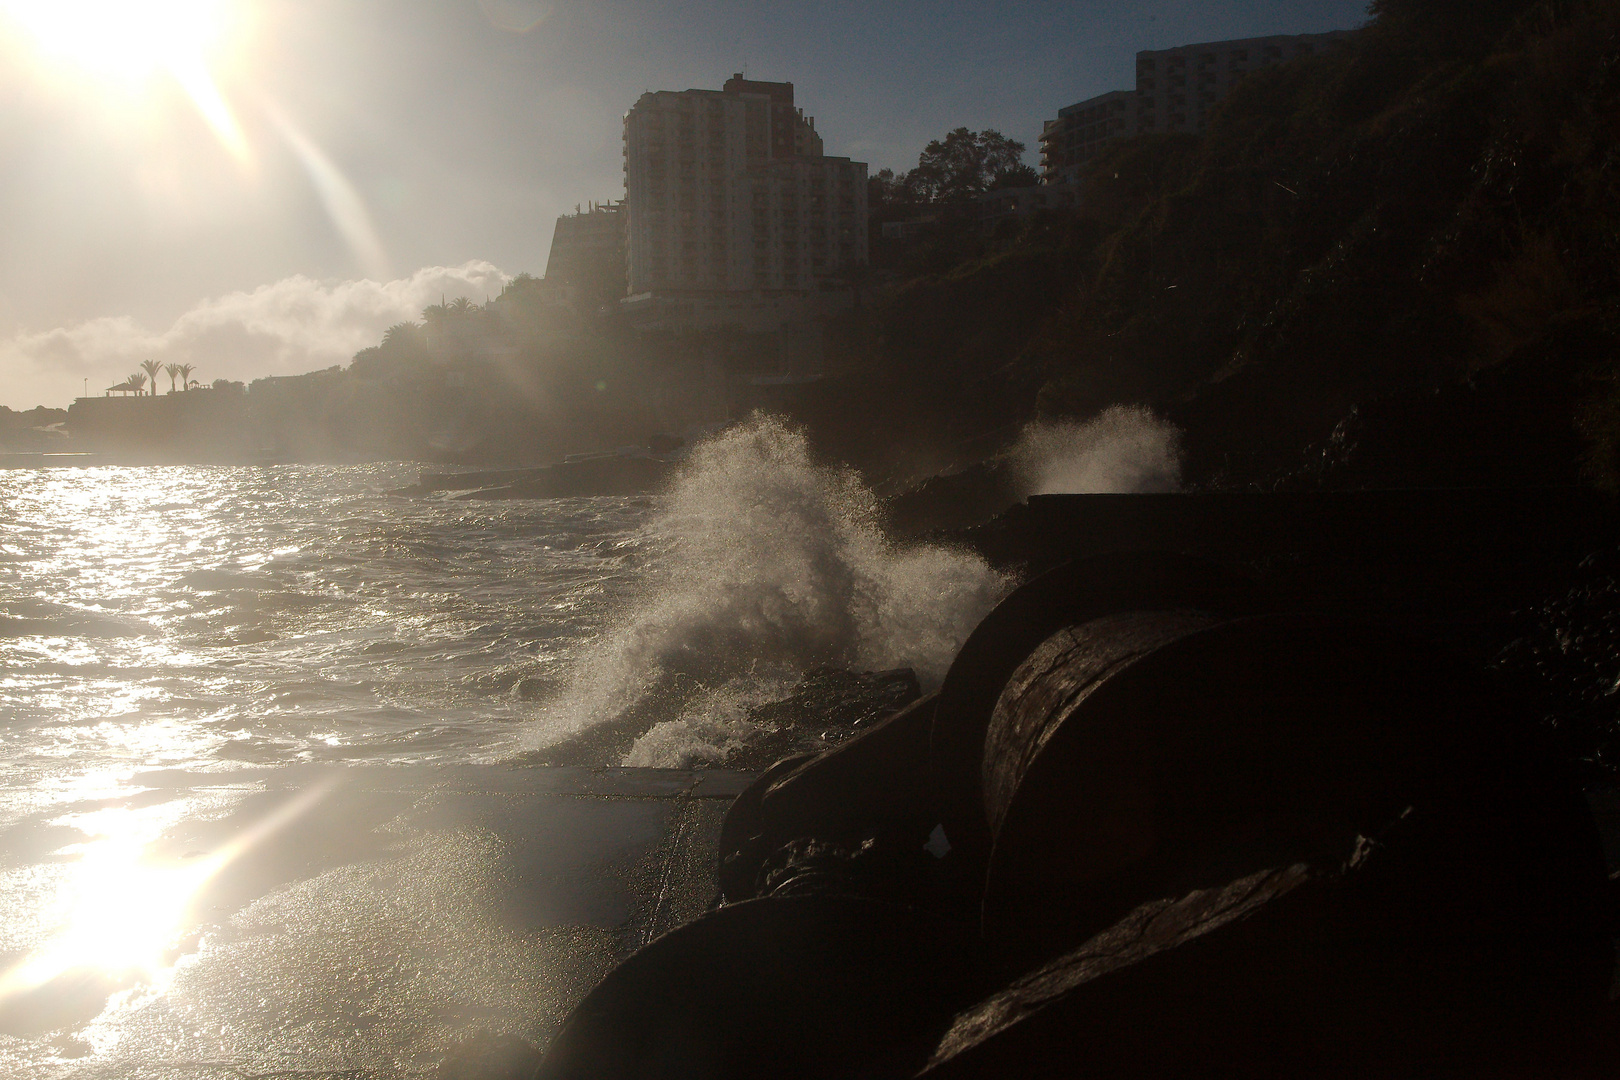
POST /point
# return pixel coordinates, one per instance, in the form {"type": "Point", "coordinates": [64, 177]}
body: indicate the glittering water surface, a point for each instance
{"type": "Point", "coordinates": [190, 623]}
{"type": "Point", "coordinates": [259, 813]}
{"type": "Point", "coordinates": [202, 616]}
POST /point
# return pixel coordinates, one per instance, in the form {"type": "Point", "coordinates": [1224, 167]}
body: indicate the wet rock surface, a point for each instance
{"type": "Point", "coordinates": [828, 706]}
{"type": "Point", "coordinates": [1171, 836]}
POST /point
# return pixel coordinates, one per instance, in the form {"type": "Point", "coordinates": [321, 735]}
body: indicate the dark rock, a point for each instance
{"type": "Point", "coordinates": [875, 786]}
{"type": "Point", "coordinates": [789, 987]}
{"type": "Point", "coordinates": [1297, 971]}
{"type": "Point", "coordinates": [880, 869]}
{"type": "Point", "coordinates": [812, 867]}
{"type": "Point", "coordinates": [828, 706]}
{"type": "Point", "coordinates": [1211, 752]}
{"type": "Point", "coordinates": [1075, 591]}
{"type": "Point", "coordinates": [956, 500]}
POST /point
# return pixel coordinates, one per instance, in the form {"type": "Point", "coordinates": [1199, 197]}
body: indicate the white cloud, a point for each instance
{"type": "Point", "coordinates": [288, 327]}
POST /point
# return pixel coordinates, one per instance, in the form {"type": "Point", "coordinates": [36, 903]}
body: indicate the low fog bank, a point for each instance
{"type": "Point", "coordinates": [287, 327]}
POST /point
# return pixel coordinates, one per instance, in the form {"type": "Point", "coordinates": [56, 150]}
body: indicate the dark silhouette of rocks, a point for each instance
{"type": "Point", "coordinates": [1144, 830]}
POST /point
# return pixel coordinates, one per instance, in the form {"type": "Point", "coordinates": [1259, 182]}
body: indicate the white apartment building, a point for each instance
{"type": "Point", "coordinates": [727, 191]}
{"type": "Point", "coordinates": [1176, 91]}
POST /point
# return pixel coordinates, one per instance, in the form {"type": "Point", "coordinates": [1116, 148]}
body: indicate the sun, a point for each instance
{"type": "Point", "coordinates": [129, 39]}
{"type": "Point", "coordinates": [132, 41]}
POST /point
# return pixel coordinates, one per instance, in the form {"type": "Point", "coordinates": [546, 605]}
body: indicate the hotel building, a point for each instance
{"type": "Point", "coordinates": [1176, 90]}
{"type": "Point", "coordinates": [728, 194]}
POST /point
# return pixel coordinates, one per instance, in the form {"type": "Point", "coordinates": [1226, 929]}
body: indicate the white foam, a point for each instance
{"type": "Point", "coordinates": [1123, 449]}
{"type": "Point", "coordinates": [766, 564]}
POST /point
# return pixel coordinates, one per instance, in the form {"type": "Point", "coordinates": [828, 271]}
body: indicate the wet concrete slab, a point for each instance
{"type": "Point", "coordinates": [334, 920]}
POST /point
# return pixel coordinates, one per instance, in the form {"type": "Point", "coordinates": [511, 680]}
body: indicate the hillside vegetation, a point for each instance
{"type": "Point", "coordinates": [1393, 263]}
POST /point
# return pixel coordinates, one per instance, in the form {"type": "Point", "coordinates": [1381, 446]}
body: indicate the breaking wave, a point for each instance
{"type": "Point", "coordinates": [1123, 449]}
{"type": "Point", "coordinates": [763, 565]}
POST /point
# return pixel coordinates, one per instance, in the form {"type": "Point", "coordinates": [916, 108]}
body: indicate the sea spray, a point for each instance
{"type": "Point", "coordinates": [763, 565]}
{"type": "Point", "coordinates": [1123, 449]}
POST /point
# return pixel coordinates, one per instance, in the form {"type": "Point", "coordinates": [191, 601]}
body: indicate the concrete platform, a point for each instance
{"type": "Point", "coordinates": [332, 921]}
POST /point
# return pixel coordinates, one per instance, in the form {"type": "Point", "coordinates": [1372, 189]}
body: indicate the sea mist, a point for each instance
{"type": "Point", "coordinates": [1123, 449]}
{"type": "Point", "coordinates": [764, 564]}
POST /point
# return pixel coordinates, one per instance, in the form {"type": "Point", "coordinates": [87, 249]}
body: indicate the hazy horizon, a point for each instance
{"type": "Point", "coordinates": [260, 187]}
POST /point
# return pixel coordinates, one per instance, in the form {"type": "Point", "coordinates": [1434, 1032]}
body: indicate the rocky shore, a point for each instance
{"type": "Point", "coordinates": [1174, 815]}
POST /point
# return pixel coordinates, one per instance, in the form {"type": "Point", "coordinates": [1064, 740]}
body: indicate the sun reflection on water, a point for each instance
{"type": "Point", "coordinates": [122, 912]}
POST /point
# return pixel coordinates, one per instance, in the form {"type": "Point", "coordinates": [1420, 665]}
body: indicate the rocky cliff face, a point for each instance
{"type": "Point", "coordinates": [1390, 264]}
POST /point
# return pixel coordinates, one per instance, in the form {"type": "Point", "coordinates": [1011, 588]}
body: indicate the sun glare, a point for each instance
{"type": "Point", "coordinates": [131, 41]}
{"type": "Point", "coordinates": [121, 38]}
{"type": "Point", "coordinates": [123, 911]}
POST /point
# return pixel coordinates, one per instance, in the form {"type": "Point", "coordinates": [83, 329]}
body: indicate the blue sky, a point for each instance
{"type": "Point", "coordinates": [457, 130]}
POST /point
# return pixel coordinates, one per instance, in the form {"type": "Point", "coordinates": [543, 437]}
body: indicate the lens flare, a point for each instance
{"type": "Point", "coordinates": [343, 203]}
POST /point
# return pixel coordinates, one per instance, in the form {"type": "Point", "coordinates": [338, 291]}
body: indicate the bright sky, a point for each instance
{"type": "Point", "coordinates": [261, 186]}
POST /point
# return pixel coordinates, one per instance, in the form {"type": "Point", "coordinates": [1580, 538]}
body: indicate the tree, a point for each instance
{"type": "Point", "coordinates": [964, 163]}
{"type": "Point", "coordinates": [185, 376]}
{"type": "Point", "coordinates": [173, 372]}
{"type": "Point", "coordinates": [884, 188]}
{"type": "Point", "coordinates": [135, 382]}
{"type": "Point", "coordinates": [402, 335]}
{"type": "Point", "coordinates": [152, 367]}
{"type": "Point", "coordinates": [1017, 176]}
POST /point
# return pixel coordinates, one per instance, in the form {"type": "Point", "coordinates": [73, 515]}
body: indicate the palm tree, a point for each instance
{"type": "Point", "coordinates": [185, 375]}
{"type": "Point", "coordinates": [173, 372]}
{"type": "Point", "coordinates": [135, 382]}
{"type": "Point", "coordinates": [400, 333]}
{"type": "Point", "coordinates": [152, 367]}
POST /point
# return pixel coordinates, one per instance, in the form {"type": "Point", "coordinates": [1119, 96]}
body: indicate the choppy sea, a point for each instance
{"type": "Point", "coordinates": [209, 621]}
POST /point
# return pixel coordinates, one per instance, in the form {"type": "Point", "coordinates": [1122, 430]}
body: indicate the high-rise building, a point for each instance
{"type": "Point", "coordinates": [727, 191]}
{"type": "Point", "coordinates": [587, 251]}
{"type": "Point", "coordinates": [1081, 130]}
{"type": "Point", "coordinates": [1176, 90]}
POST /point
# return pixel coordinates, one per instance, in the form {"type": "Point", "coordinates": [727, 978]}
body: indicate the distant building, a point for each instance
{"type": "Point", "coordinates": [1081, 130]}
{"type": "Point", "coordinates": [1176, 90]}
{"type": "Point", "coordinates": [199, 425]}
{"type": "Point", "coordinates": [587, 248]}
{"type": "Point", "coordinates": [728, 192]}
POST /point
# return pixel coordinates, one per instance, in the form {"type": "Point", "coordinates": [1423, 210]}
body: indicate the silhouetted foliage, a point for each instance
{"type": "Point", "coordinates": [1390, 222]}
{"type": "Point", "coordinates": [963, 163]}
{"type": "Point", "coordinates": [152, 367]}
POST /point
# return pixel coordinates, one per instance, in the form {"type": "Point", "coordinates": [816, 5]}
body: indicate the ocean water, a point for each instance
{"type": "Point", "coordinates": [199, 617]}
{"type": "Point", "coordinates": [192, 658]}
